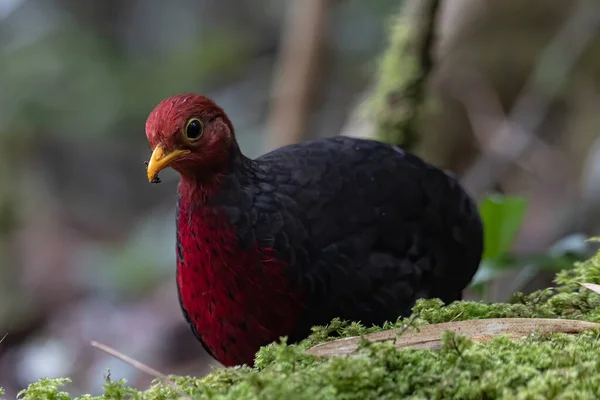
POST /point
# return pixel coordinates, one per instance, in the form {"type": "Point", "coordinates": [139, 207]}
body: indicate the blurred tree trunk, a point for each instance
{"type": "Point", "coordinates": [298, 71]}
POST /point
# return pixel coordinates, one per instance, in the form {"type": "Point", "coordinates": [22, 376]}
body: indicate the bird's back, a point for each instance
{"type": "Point", "coordinates": [366, 227]}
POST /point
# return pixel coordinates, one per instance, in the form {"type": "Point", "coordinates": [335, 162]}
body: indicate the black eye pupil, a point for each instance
{"type": "Point", "coordinates": [194, 129]}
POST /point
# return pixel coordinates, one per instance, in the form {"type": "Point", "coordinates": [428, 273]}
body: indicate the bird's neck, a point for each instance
{"type": "Point", "coordinates": [213, 184]}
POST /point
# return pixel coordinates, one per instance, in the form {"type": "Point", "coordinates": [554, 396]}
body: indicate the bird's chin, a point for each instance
{"type": "Point", "coordinates": [185, 167]}
{"type": "Point", "coordinates": [179, 167]}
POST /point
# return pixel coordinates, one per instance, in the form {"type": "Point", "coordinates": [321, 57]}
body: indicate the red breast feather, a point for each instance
{"type": "Point", "coordinates": [236, 300]}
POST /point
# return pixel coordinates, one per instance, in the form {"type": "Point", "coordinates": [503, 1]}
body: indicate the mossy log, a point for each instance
{"type": "Point", "coordinates": [544, 364]}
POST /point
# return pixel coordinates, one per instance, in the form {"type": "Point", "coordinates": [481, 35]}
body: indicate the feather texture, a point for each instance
{"type": "Point", "coordinates": [337, 227]}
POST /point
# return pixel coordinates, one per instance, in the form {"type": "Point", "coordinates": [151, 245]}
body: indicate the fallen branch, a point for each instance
{"type": "Point", "coordinates": [481, 330]}
{"type": "Point", "coordinates": [591, 286]}
{"type": "Point", "coordinates": [142, 367]}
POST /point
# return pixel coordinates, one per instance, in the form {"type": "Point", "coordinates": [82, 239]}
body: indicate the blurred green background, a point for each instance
{"type": "Point", "coordinates": [87, 245]}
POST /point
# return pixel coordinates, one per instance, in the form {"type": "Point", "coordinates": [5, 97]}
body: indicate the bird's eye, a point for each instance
{"type": "Point", "coordinates": [193, 129]}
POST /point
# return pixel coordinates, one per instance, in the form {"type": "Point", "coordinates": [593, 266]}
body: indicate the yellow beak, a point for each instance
{"type": "Point", "coordinates": [160, 160]}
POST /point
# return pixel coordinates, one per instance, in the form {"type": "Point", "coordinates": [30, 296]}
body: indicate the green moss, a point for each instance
{"type": "Point", "coordinates": [45, 389]}
{"type": "Point", "coordinates": [391, 103]}
{"type": "Point", "coordinates": [556, 366]}
{"type": "Point", "coordinates": [551, 366]}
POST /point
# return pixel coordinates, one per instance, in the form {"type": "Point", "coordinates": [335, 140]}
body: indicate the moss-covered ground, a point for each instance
{"type": "Point", "coordinates": [554, 366]}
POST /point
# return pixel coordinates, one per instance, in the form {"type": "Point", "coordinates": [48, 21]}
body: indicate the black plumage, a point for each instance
{"type": "Point", "coordinates": [366, 228]}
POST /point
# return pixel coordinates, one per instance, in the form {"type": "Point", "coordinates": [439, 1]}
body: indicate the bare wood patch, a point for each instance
{"type": "Point", "coordinates": [480, 330]}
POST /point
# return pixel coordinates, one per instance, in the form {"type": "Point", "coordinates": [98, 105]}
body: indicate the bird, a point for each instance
{"type": "Point", "coordinates": [334, 227]}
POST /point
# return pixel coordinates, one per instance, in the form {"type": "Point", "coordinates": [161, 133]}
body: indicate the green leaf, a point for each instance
{"type": "Point", "coordinates": [502, 217]}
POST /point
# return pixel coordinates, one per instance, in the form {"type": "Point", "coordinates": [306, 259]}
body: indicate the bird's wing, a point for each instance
{"type": "Point", "coordinates": [362, 217]}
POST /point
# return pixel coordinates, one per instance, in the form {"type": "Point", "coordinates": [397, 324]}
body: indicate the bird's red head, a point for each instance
{"type": "Point", "coordinates": [190, 134]}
